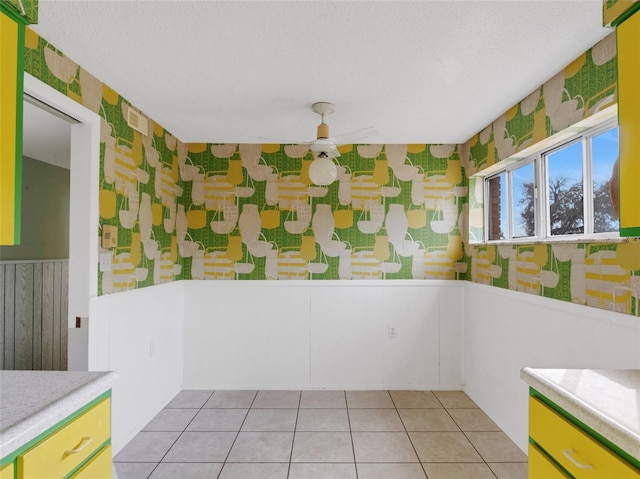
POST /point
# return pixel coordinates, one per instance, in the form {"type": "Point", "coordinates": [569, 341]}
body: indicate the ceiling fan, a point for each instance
{"type": "Point", "coordinates": [323, 170]}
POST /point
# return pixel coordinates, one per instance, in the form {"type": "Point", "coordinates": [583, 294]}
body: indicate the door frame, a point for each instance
{"type": "Point", "coordinates": [83, 199]}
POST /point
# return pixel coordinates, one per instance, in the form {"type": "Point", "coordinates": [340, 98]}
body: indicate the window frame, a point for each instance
{"type": "Point", "coordinates": [541, 191]}
{"type": "Point", "coordinates": [509, 209]}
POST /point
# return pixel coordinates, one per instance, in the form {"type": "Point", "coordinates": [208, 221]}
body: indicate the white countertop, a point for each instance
{"type": "Point", "coordinates": [608, 401]}
{"type": "Point", "coordinates": [33, 401]}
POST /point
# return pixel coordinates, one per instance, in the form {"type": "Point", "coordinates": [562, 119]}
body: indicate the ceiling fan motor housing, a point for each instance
{"type": "Point", "coordinates": [323, 130]}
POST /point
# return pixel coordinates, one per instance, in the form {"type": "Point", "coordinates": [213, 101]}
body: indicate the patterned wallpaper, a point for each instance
{"type": "Point", "coordinates": [249, 211]}
{"type": "Point", "coordinates": [25, 8]}
{"type": "Point", "coordinates": [139, 174]}
{"type": "Point", "coordinates": [586, 86]}
{"type": "Point", "coordinates": [602, 275]}
{"type": "Point", "coordinates": [216, 211]}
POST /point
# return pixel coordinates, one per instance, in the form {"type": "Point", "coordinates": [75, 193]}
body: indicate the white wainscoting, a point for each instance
{"type": "Point", "coordinates": [138, 334]}
{"type": "Point", "coordinates": [334, 334]}
{"type": "Point", "coordinates": [329, 334]}
{"type": "Point", "coordinates": [505, 331]}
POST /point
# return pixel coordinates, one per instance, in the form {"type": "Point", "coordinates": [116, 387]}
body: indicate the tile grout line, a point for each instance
{"type": "Point", "coordinates": [464, 433]}
{"type": "Point", "coordinates": [224, 463]}
{"type": "Point", "coordinates": [407, 433]}
{"type": "Point", "coordinates": [295, 427]}
{"type": "Point", "coordinates": [181, 432]}
{"type": "Point", "coordinates": [353, 447]}
{"type": "Point", "coordinates": [298, 409]}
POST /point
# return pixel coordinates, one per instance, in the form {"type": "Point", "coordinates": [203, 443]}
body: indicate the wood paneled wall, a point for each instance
{"type": "Point", "coordinates": [33, 315]}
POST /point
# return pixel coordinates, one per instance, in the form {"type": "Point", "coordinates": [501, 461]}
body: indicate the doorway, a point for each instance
{"type": "Point", "coordinates": [30, 337]}
{"type": "Point", "coordinates": [34, 273]}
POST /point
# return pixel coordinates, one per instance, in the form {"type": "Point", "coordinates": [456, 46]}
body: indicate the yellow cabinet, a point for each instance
{"type": "Point", "coordinates": [628, 38]}
{"type": "Point", "coordinates": [99, 467]}
{"type": "Point", "coordinates": [6, 471]}
{"type": "Point", "coordinates": [78, 447]}
{"type": "Point", "coordinates": [11, 74]}
{"type": "Point", "coordinates": [574, 449]}
{"type": "Point", "coordinates": [541, 467]}
{"type": "Point", "coordinates": [67, 448]}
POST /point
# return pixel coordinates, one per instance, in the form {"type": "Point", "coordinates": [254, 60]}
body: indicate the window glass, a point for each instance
{"type": "Point", "coordinates": [498, 207]}
{"type": "Point", "coordinates": [524, 218]}
{"type": "Point", "coordinates": [604, 153]}
{"type": "Point", "coordinates": [565, 190]}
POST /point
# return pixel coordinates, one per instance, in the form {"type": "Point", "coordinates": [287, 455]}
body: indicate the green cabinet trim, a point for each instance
{"type": "Point", "coordinates": [83, 464]}
{"type": "Point", "coordinates": [633, 9]}
{"type": "Point", "coordinates": [627, 232]}
{"type": "Point", "coordinates": [549, 456]}
{"type": "Point", "coordinates": [8, 9]}
{"type": "Point", "coordinates": [12, 164]}
{"type": "Point", "coordinates": [26, 10]}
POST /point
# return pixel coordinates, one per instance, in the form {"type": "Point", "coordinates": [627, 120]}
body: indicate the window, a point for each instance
{"type": "Point", "coordinates": [511, 203]}
{"type": "Point", "coordinates": [559, 192]}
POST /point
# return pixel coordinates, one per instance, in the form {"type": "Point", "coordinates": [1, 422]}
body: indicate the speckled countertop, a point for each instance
{"type": "Point", "coordinates": [33, 401]}
{"type": "Point", "coordinates": [608, 401]}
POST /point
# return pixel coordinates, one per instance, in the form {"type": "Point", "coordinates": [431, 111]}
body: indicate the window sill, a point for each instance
{"type": "Point", "coordinates": [605, 238]}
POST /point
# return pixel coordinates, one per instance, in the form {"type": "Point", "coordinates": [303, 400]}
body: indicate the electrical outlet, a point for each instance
{"type": "Point", "coordinates": [106, 261]}
{"type": "Point", "coordinates": [393, 332]}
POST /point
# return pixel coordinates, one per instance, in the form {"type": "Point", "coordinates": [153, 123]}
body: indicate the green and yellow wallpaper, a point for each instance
{"type": "Point", "coordinates": [136, 170]}
{"type": "Point", "coordinates": [249, 211]}
{"type": "Point", "coordinates": [586, 86]}
{"type": "Point", "coordinates": [602, 275]}
{"type": "Point", "coordinates": [28, 9]}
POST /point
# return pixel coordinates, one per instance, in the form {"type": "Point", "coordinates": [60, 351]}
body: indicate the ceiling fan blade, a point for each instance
{"type": "Point", "coordinates": [355, 136]}
{"type": "Point", "coordinates": [264, 139]}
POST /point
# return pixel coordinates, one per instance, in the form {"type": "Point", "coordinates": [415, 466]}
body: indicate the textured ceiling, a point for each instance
{"type": "Point", "coordinates": [240, 71]}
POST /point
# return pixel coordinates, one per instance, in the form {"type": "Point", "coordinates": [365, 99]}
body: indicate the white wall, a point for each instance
{"type": "Point", "coordinates": [329, 334]}
{"type": "Point", "coordinates": [505, 331]}
{"type": "Point", "coordinates": [138, 334]}
{"type": "Point", "coordinates": [334, 334]}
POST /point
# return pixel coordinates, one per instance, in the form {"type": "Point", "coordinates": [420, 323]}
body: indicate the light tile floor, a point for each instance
{"type": "Point", "coordinates": [321, 434]}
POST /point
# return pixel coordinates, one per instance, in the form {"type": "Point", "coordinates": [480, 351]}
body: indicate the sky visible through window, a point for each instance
{"type": "Point", "coordinates": [565, 195]}
{"type": "Point", "coordinates": [604, 151]}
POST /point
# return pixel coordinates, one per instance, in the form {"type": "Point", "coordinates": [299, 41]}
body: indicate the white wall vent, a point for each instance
{"type": "Point", "coordinates": [137, 121]}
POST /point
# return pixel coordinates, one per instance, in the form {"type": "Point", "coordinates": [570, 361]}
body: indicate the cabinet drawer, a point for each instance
{"type": "Point", "coordinates": [577, 452]}
{"type": "Point", "coordinates": [99, 467]}
{"type": "Point", "coordinates": [65, 449]}
{"type": "Point", "coordinates": [6, 471]}
{"type": "Point", "coordinates": [541, 467]}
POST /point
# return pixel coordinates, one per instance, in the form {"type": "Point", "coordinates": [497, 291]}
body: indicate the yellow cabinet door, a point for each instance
{"type": "Point", "coordinates": [99, 467]}
{"type": "Point", "coordinates": [68, 447]}
{"type": "Point", "coordinates": [541, 467]}
{"type": "Point", "coordinates": [6, 471]}
{"type": "Point", "coordinates": [11, 53]}
{"type": "Point", "coordinates": [628, 39]}
{"type": "Point", "coordinates": [580, 454]}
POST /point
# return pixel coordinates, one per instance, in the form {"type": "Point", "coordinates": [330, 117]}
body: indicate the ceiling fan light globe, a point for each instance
{"type": "Point", "coordinates": [323, 171]}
